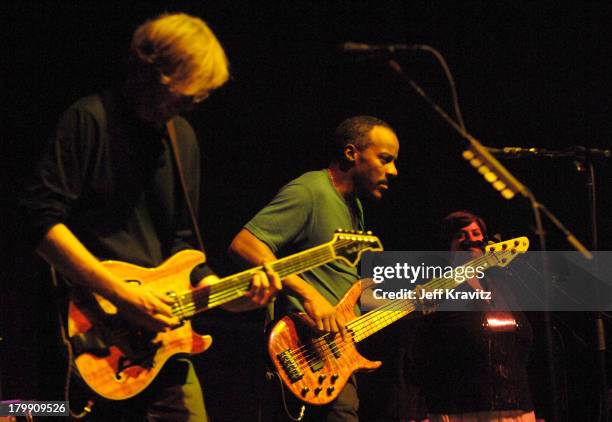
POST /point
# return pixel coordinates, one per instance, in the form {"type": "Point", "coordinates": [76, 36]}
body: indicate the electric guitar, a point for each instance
{"type": "Point", "coordinates": [316, 367]}
{"type": "Point", "coordinates": [118, 361]}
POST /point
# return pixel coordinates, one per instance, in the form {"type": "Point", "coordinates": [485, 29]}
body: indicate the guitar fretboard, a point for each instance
{"type": "Point", "coordinates": [236, 285]}
{"type": "Point", "coordinates": [379, 318]}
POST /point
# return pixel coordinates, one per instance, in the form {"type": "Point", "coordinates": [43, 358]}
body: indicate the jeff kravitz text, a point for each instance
{"type": "Point", "coordinates": [435, 294]}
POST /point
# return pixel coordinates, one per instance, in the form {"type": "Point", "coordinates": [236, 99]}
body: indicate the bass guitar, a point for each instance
{"type": "Point", "coordinates": [316, 367]}
{"type": "Point", "coordinates": [118, 361]}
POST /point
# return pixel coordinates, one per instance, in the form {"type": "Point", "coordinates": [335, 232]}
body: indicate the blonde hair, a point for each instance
{"type": "Point", "coordinates": [184, 50]}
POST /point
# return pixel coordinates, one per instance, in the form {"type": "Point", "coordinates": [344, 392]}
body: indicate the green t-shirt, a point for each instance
{"type": "Point", "coordinates": [305, 213]}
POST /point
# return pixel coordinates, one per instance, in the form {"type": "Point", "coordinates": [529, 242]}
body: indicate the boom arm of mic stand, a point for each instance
{"type": "Point", "coordinates": [494, 165]}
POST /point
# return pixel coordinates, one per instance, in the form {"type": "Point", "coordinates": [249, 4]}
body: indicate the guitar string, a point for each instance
{"type": "Point", "coordinates": [313, 255]}
{"type": "Point", "coordinates": [288, 268]}
{"type": "Point", "coordinates": [229, 290]}
{"type": "Point", "coordinates": [229, 284]}
{"type": "Point", "coordinates": [380, 321]}
{"type": "Point", "coordinates": [219, 298]}
{"type": "Point", "coordinates": [188, 305]}
{"type": "Point", "coordinates": [243, 280]}
{"type": "Point", "coordinates": [229, 293]}
{"type": "Point", "coordinates": [303, 358]}
{"type": "Point", "coordinates": [186, 310]}
{"type": "Point", "coordinates": [398, 305]}
{"type": "Point", "coordinates": [442, 282]}
{"type": "Point", "coordinates": [376, 322]}
{"type": "Point", "coordinates": [498, 257]}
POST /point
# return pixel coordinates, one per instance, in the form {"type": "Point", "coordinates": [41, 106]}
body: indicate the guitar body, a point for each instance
{"type": "Point", "coordinates": [316, 368]}
{"type": "Point", "coordinates": [116, 360]}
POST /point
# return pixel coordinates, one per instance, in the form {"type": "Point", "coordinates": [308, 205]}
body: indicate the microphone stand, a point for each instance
{"type": "Point", "coordinates": [599, 330]}
{"type": "Point", "coordinates": [584, 162]}
{"type": "Point", "coordinates": [516, 186]}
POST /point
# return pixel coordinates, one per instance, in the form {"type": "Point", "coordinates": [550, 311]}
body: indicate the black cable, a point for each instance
{"type": "Point", "coordinates": [87, 408]}
{"type": "Point", "coordinates": [284, 399]}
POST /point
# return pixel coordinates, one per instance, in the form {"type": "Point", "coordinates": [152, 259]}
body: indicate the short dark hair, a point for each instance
{"type": "Point", "coordinates": [455, 221]}
{"type": "Point", "coordinates": [354, 130]}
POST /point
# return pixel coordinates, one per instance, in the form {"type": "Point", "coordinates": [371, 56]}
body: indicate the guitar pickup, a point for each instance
{"type": "Point", "coordinates": [290, 366]}
{"type": "Point", "coordinates": [331, 343]}
{"type": "Point", "coordinates": [314, 359]}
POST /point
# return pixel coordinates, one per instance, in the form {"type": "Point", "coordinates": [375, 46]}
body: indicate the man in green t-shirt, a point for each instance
{"type": "Point", "coordinates": [306, 212]}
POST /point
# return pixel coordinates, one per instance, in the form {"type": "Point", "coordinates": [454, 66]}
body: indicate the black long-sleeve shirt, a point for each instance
{"type": "Point", "coordinates": [111, 179]}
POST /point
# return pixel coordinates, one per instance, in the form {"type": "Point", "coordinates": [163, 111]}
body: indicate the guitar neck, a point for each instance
{"type": "Point", "coordinates": [236, 285]}
{"type": "Point", "coordinates": [381, 317]}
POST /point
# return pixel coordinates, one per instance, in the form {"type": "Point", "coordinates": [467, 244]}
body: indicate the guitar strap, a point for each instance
{"type": "Point", "coordinates": [179, 169]}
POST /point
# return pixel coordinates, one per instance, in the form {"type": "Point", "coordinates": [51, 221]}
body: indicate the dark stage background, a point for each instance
{"type": "Point", "coordinates": [528, 74]}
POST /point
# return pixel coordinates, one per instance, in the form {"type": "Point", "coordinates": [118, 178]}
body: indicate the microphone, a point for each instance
{"type": "Point", "coordinates": [360, 48]}
{"type": "Point", "coordinates": [571, 152]}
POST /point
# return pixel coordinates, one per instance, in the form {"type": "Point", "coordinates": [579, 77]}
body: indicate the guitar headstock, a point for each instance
{"type": "Point", "coordinates": [504, 252]}
{"type": "Point", "coordinates": [349, 245]}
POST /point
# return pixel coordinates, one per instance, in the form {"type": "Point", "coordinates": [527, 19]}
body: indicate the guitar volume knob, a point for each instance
{"type": "Point", "coordinates": [317, 391]}
{"type": "Point", "coordinates": [305, 391]}
{"type": "Point", "coordinates": [330, 390]}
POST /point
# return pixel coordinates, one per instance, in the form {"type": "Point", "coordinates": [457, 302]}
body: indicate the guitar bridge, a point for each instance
{"type": "Point", "coordinates": [290, 366]}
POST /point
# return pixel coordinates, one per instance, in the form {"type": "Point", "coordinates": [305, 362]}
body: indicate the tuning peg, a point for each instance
{"type": "Point", "coordinates": [339, 230]}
